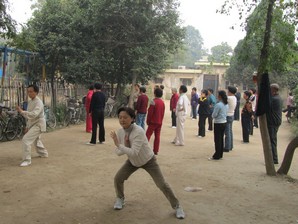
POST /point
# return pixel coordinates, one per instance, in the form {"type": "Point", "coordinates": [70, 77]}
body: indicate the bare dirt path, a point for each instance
{"type": "Point", "coordinates": [75, 184]}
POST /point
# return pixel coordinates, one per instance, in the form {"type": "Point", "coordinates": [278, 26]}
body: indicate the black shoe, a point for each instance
{"type": "Point", "coordinates": [226, 150]}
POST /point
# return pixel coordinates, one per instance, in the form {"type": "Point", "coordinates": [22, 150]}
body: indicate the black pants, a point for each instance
{"type": "Point", "coordinates": [219, 131]}
{"type": "Point", "coordinates": [98, 118]}
{"type": "Point", "coordinates": [210, 122]}
{"type": "Point", "coordinates": [202, 124]}
{"type": "Point", "coordinates": [272, 129]}
{"type": "Point", "coordinates": [236, 114]}
{"type": "Point", "coordinates": [246, 124]}
{"type": "Point", "coordinates": [173, 116]}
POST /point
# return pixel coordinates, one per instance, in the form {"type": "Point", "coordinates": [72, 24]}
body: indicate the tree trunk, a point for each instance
{"type": "Point", "coordinates": [134, 80]}
{"type": "Point", "coordinates": [261, 69]}
{"type": "Point", "coordinates": [288, 157]}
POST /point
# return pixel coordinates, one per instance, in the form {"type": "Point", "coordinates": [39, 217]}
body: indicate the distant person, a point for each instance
{"type": "Point", "coordinates": [237, 112]}
{"type": "Point", "coordinates": [194, 102]}
{"type": "Point", "coordinates": [132, 141]}
{"type": "Point", "coordinates": [290, 105]}
{"type": "Point", "coordinates": [212, 102]}
{"type": "Point", "coordinates": [87, 107]}
{"type": "Point", "coordinates": [253, 100]}
{"type": "Point", "coordinates": [136, 95]}
{"type": "Point", "coordinates": [173, 104]}
{"type": "Point", "coordinates": [181, 113]}
{"type": "Point", "coordinates": [96, 110]}
{"type": "Point", "coordinates": [274, 119]}
{"type": "Point", "coordinates": [203, 111]}
{"type": "Point", "coordinates": [141, 107]}
{"type": "Point", "coordinates": [155, 117]}
{"type": "Point", "coordinates": [219, 116]}
{"type": "Point", "coordinates": [232, 102]}
{"type": "Point", "coordinates": [36, 124]}
{"type": "Point", "coordinates": [162, 87]}
{"type": "Point", "coordinates": [246, 117]}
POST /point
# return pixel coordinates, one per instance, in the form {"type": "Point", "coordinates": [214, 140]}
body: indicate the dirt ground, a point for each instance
{"type": "Point", "coordinates": [75, 184]}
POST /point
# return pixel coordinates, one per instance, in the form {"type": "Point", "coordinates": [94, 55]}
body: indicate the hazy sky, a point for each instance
{"type": "Point", "coordinates": [213, 27]}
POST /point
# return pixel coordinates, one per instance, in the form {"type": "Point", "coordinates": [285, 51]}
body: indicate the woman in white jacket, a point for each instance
{"type": "Point", "coordinates": [132, 141]}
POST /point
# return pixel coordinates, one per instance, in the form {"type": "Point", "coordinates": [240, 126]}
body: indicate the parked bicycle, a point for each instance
{"type": "Point", "coordinates": [112, 105]}
{"type": "Point", "coordinates": [50, 117]}
{"type": "Point", "coordinates": [291, 113]}
{"type": "Point", "coordinates": [12, 124]}
{"type": "Point", "coordinates": [75, 112]}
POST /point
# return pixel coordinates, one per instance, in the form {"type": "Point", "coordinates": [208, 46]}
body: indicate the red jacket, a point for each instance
{"type": "Point", "coordinates": [174, 100]}
{"type": "Point", "coordinates": [156, 111]}
{"type": "Point", "coordinates": [142, 104]}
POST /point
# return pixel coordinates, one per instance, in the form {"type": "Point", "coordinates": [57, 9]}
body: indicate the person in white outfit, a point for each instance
{"type": "Point", "coordinates": [181, 113]}
{"type": "Point", "coordinates": [36, 124]}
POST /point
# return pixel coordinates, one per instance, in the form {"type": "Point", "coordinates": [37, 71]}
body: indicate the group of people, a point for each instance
{"type": "Point", "coordinates": [133, 140]}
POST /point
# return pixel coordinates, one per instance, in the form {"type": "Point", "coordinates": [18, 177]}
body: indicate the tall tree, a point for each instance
{"type": "Point", "coordinates": [7, 24]}
{"type": "Point", "coordinates": [191, 50]}
{"type": "Point", "coordinates": [221, 53]}
{"type": "Point", "coordinates": [264, 65]}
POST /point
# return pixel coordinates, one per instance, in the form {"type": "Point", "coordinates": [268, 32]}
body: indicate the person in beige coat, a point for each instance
{"type": "Point", "coordinates": [36, 124]}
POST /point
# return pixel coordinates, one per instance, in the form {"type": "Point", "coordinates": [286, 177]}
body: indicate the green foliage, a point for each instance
{"type": "Point", "coordinates": [7, 24]}
{"type": "Point", "coordinates": [221, 53]}
{"type": "Point", "coordinates": [190, 51]}
{"type": "Point", "coordinates": [294, 123]}
{"type": "Point", "coordinates": [246, 58]}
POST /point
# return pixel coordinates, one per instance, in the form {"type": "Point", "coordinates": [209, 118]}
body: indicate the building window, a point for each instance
{"type": "Point", "coordinates": [158, 80]}
{"type": "Point", "coordinates": [186, 82]}
{"type": "Point", "coordinates": [227, 84]}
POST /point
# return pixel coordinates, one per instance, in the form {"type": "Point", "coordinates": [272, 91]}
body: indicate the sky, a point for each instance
{"type": "Point", "coordinates": [201, 14]}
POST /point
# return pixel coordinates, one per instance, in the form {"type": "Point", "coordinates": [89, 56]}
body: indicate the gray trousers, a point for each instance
{"type": "Point", "coordinates": [272, 129]}
{"type": "Point", "coordinates": [153, 169]}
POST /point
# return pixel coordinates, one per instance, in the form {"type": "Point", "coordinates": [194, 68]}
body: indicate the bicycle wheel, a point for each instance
{"type": "Point", "coordinates": [77, 116]}
{"type": "Point", "coordinates": [1, 131]}
{"type": "Point", "coordinates": [107, 111]}
{"type": "Point", "coordinates": [11, 130]}
{"type": "Point", "coordinates": [67, 118]}
{"type": "Point", "coordinates": [51, 119]}
{"type": "Point", "coordinates": [83, 114]}
{"type": "Point", "coordinates": [20, 125]}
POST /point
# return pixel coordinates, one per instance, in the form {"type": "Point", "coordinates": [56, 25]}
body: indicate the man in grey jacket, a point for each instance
{"type": "Point", "coordinates": [36, 124]}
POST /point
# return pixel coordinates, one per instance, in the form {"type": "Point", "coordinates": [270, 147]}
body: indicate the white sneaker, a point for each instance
{"type": "Point", "coordinates": [119, 203]}
{"type": "Point", "coordinates": [90, 144]}
{"type": "Point", "coordinates": [180, 213]}
{"type": "Point", "coordinates": [25, 163]}
{"type": "Point", "coordinates": [43, 156]}
{"type": "Point", "coordinates": [173, 126]}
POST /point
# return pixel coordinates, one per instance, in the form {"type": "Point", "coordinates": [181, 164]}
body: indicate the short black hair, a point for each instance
{"type": "Point", "coordinates": [35, 88]}
{"type": "Point", "coordinates": [97, 86]}
{"type": "Point", "coordinates": [129, 111]}
{"type": "Point", "coordinates": [247, 93]}
{"type": "Point", "coordinates": [253, 90]}
{"type": "Point", "coordinates": [91, 87]}
{"type": "Point", "coordinates": [183, 88]}
{"type": "Point", "coordinates": [162, 86]}
{"type": "Point", "coordinates": [194, 88]}
{"type": "Point", "coordinates": [204, 91]}
{"type": "Point", "coordinates": [210, 90]}
{"type": "Point", "coordinates": [143, 89]}
{"type": "Point", "coordinates": [232, 89]}
{"type": "Point", "coordinates": [158, 92]}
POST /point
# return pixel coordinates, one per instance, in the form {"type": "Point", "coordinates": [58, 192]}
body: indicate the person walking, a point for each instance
{"type": "Point", "coordinates": [194, 102]}
{"type": "Point", "coordinates": [141, 107]}
{"type": "Point", "coordinates": [155, 117]}
{"type": "Point", "coordinates": [274, 119]}
{"type": "Point", "coordinates": [232, 102]}
{"type": "Point", "coordinates": [132, 141]}
{"type": "Point", "coordinates": [87, 107]}
{"type": "Point", "coordinates": [246, 117]}
{"type": "Point", "coordinates": [36, 125]}
{"type": "Point", "coordinates": [96, 110]}
{"type": "Point", "coordinates": [219, 116]}
{"type": "Point", "coordinates": [290, 105]}
{"type": "Point", "coordinates": [173, 105]}
{"type": "Point", "coordinates": [181, 113]}
{"type": "Point", "coordinates": [203, 111]}
{"type": "Point", "coordinates": [212, 102]}
{"type": "Point", "coordinates": [253, 100]}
